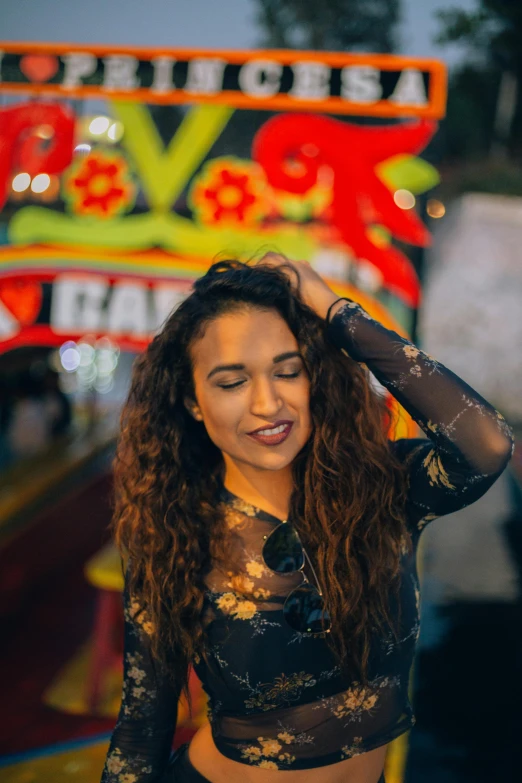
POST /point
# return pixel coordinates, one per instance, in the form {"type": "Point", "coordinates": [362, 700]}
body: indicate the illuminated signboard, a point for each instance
{"type": "Point", "coordinates": [108, 222]}
{"type": "Point", "coordinates": [363, 84]}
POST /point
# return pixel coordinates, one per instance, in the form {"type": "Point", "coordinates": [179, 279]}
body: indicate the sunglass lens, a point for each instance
{"type": "Point", "coordinates": [304, 610]}
{"type": "Point", "coordinates": [282, 550]}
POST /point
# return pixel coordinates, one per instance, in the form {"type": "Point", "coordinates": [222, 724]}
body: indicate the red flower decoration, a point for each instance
{"type": "Point", "coordinates": [230, 190]}
{"type": "Point", "coordinates": [360, 198]}
{"type": "Point", "coordinates": [100, 185]}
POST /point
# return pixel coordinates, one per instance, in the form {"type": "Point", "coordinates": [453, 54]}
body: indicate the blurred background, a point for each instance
{"type": "Point", "coordinates": [112, 203]}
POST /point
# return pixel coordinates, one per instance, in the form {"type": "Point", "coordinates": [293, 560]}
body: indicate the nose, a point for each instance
{"type": "Point", "coordinates": [265, 400]}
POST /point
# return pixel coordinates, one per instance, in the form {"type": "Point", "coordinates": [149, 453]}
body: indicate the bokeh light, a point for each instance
{"type": "Point", "coordinates": [70, 356]}
{"type": "Point", "coordinates": [21, 182]}
{"type": "Point", "coordinates": [51, 193]}
{"type": "Point", "coordinates": [99, 125]}
{"type": "Point", "coordinates": [40, 183]}
{"type": "Point", "coordinates": [435, 208]}
{"type": "Point", "coordinates": [115, 131]}
{"type": "Point", "coordinates": [404, 198]}
{"type": "Point", "coordinates": [44, 132]}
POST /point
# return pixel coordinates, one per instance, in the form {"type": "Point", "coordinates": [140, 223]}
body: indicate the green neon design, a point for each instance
{"type": "Point", "coordinates": [166, 230]}
{"type": "Point", "coordinates": [409, 172]}
{"type": "Point", "coordinates": [165, 172]}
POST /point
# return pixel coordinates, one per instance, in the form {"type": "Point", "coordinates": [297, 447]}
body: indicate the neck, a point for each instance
{"type": "Point", "coordinates": [269, 490]}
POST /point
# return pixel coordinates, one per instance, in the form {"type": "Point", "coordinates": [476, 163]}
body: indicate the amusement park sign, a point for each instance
{"type": "Point", "coordinates": [107, 222]}
{"type": "Point", "coordinates": [380, 85]}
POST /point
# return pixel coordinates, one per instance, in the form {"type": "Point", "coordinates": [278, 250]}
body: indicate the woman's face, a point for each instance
{"type": "Point", "coordinates": [268, 384]}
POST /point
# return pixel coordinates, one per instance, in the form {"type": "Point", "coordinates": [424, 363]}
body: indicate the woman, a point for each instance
{"type": "Point", "coordinates": [270, 527]}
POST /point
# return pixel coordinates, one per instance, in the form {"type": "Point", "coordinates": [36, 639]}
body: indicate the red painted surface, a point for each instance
{"type": "Point", "coordinates": [48, 615]}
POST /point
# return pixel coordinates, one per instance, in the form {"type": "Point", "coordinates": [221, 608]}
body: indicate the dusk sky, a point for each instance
{"type": "Point", "coordinates": [187, 23]}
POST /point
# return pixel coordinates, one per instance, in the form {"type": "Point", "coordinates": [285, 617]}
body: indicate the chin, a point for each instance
{"type": "Point", "coordinates": [273, 461]}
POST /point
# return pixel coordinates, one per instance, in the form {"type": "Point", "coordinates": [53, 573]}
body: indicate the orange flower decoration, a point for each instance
{"type": "Point", "coordinates": [230, 190]}
{"type": "Point", "coordinates": [100, 185]}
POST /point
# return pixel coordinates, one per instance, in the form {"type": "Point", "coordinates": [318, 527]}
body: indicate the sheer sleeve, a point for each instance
{"type": "Point", "coordinates": [468, 443]}
{"type": "Point", "coordinates": [141, 742]}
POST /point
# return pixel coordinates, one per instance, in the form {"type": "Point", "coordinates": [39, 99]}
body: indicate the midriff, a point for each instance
{"type": "Point", "coordinates": [206, 758]}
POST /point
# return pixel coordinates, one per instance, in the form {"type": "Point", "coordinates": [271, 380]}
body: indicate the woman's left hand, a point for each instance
{"type": "Point", "coordinates": [311, 286]}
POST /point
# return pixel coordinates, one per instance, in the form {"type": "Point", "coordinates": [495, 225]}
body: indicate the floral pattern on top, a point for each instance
{"type": "Point", "coordinates": [269, 748]}
{"type": "Point", "coordinates": [237, 607]}
{"type": "Point", "coordinates": [142, 737]}
{"type": "Point", "coordinates": [355, 749]}
{"type": "Point", "coordinates": [117, 767]}
{"type": "Point", "coordinates": [137, 691]}
{"type": "Point", "coordinates": [240, 583]}
{"type": "Point", "coordinates": [241, 610]}
{"type": "Point", "coordinates": [255, 569]}
{"type": "Point", "coordinates": [359, 701]}
{"type": "Point", "coordinates": [270, 752]}
{"type": "Point", "coordinates": [238, 513]}
{"type": "Point", "coordinates": [276, 698]}
{"type": "Point", "coordinates": [283, 690]}
{"type": "Point", "coordinates": [435, 471]}
{"type": "Point", "coordinates": [134, 613]}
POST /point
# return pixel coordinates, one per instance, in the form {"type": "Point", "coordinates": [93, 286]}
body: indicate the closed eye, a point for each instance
{"type": "Point", "coordinates": [240, 383]}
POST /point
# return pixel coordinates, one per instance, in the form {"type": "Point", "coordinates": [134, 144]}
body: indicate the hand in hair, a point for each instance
{"type": "Point", "coordinates": [311, 286]}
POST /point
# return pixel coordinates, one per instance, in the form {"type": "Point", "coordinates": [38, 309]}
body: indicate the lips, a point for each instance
{"type": "Point", "coordinates": [272, 440]}
{"type": "Point", "coordinates": [270, 426]}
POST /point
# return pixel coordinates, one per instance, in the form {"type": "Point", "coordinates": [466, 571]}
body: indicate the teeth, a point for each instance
{"type": "Point", "coordinates": [275, 431]}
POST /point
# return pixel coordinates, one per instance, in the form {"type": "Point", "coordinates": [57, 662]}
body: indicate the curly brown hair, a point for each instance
{"type": "Point", "coordinates": [349, 489]}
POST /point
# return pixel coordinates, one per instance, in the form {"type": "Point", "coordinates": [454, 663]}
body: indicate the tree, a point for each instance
{"type": "Point", "coordinates": [336, 25]}
{"type": "Point", "coordinates": [493, 31]}
{"type": "Point", "coordinates": [493, 36]}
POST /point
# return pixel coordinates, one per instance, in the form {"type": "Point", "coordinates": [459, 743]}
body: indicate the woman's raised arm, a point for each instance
{"type": "Point", "coordinates": [469, 442]}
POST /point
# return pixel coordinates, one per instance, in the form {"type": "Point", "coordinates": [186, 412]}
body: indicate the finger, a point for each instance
{"type": "Point", "coordinates": [278, 259]}
{"type": "Point", "coordinates": [274, 258]}
{"type": "Point", "coordinates": [288, 267]}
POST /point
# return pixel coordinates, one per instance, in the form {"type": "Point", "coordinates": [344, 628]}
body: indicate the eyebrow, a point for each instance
{"type": "Point", "coordinates": [279, 358]}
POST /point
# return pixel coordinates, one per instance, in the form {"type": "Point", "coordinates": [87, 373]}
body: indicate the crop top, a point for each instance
{"type": "Point", "coordinates": [276, 698]}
